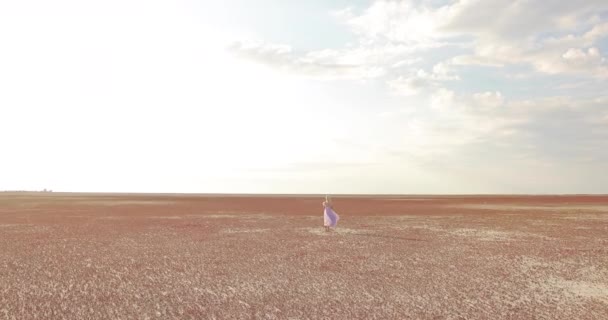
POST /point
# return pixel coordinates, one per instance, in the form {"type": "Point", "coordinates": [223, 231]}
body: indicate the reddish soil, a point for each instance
{"type": "Point", "coordinates": [87, 256]}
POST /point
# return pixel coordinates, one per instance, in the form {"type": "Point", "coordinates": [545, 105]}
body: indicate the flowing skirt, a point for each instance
{"type": "Point", "coordinates": [330, 217]}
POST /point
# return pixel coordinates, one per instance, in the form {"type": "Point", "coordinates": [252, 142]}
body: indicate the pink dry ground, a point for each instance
{"type": "Point", "coordinates": [76, 256]}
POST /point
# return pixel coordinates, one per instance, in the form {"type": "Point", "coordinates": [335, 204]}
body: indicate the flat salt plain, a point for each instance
{"type": "Point", "coordinates": [112, 256]}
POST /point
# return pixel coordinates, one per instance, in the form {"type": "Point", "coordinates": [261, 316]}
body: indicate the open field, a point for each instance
{"type": "Point", "coordinates": [79, 256]}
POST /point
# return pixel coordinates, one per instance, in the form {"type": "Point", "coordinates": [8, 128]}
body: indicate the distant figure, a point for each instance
{"type": "Point", "coordinates": [330, 217]}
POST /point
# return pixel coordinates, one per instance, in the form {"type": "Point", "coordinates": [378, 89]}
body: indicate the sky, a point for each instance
{"type": "Point", "coordinates": [318, 96]}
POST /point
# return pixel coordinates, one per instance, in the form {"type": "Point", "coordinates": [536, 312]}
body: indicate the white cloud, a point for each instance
{"type": "Point", "coordinates": [391, 34]}
{"type": "Point", "coordinates": [581, 57]}
{"type": "Point", "coordinates": [406, 62]}
{"type": "Point", "coordinates": [408, 86]}
{"type": "Point", "coordinates": [515, 36]}
{"type": "Point", "coordinates": [489, 99]}
{"type": "Point", "coordinates": [394, 21]}
{"type": "Point", "coordinates": [484, 120]}
{"type": "Point", "coordinates": [456, 121]}
{"type": "Point", "coordinates": [598, 31]}
{"type": "Point", "coordinates": [464, 60]}
{"type": "Point", "coordinates": [324, 64]}
{"type": "Point", "coordinates": [550, 56]}
{"type": "Point", "coordinates": [419, 80]}
{"type": "Point", "coordinates": [444, 71]}
{"type": "Point", "coordinates": [365, 55]}
{"type": "Point", "coordinates": [518, 21]}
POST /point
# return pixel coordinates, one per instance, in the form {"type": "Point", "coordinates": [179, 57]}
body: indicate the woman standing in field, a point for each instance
{"type": "Point", "coordinates": [330, 217]}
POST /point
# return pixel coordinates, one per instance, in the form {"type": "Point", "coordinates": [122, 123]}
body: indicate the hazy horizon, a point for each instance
{"type": "Point", "coordinates": [416, 97]}
{"type": "Point", "coordinates": [215, 194]}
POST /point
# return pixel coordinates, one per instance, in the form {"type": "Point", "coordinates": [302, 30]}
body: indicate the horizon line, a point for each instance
{"type": "Point", "coordinates": [48, 192]}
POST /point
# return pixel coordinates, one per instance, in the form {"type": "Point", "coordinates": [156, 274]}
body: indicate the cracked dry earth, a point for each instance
{"type": "Point", "coordinates": [79, 256]}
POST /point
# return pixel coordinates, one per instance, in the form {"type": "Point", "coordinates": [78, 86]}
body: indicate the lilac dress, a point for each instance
{"type": "Point", "coordinates": [330, 217]}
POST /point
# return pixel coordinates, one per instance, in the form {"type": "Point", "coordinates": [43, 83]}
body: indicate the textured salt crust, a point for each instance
{"type": "Point", "coordinates": [341, 231]}
{"type": "Point", "coordinates": [582, 289]}
{"type": "Point", "coordinates": [589, 287]}
{"type": "Point", "coordinates": [230, 215]}
{"type": "Point", "coordinates": [529, 263]}
{"type": "Point", "coordinates": [405, 199]}
{"type": "Point", "coordinates": [166, 217]}
{"type": "Point", "coordinates": [479, 234]}
{"type": "Point", "coordinates": [512, 207]}
{"type": "Point", "coordinates": [25, 228]}
{"type": "Point", "coordinates": [423, 227]}
{"type": "Point", "coordinates": [201, 216]}
{"type": "Point", "coordinates": [350, 231]}
{"type": "Point", "coordinates": [484, 235]}
{"type": "Point", "coordinates": [115, 272]}
{"type": "Point", "coordinates": [600, 217]}
{"type": "Point", "coordinates": [123, 202]}
{"type": "Point", "coordinates": [10, 225]}
{"type": "Point", "coordinates": [245, 230]}
{"type": "Point", "coordinates": [320, 218]}
{"type": "Point", "coordinates": [404, 217]}
{"type": "Point", "coordinates": [111, 218]}
{"type": "Point", "coordinates": [22, 225]}
{"type": "Point", "coordinates": [542, 223]}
